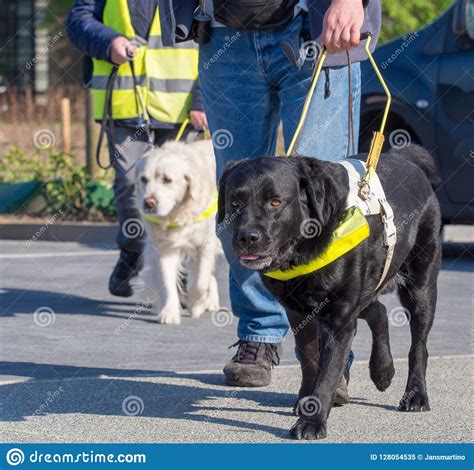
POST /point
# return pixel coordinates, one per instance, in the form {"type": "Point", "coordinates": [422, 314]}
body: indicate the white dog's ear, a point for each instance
{"type": "Point", "coordinates": [193, 185]}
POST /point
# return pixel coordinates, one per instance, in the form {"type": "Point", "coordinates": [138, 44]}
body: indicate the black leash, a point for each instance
{"type": "Point", "coordinates": [107, 118]}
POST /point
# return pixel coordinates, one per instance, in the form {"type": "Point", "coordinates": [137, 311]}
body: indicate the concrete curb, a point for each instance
{"type": "Point", "coordinates": [79, 232]}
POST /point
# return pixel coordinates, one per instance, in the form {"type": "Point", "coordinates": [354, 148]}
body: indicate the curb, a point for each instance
{"type": "Point", "coordinates": [78, 232]}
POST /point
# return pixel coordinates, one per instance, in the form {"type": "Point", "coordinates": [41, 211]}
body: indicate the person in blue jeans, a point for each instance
{"type": "Point", "coordinates": [249, 85]}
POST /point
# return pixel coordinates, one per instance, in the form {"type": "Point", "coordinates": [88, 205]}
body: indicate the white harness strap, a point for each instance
{"type": "Point", "coordinates": [376, 203]}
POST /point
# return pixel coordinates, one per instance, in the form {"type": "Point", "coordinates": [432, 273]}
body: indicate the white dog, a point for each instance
{"type": "Point", "coordinates": [178, 199]}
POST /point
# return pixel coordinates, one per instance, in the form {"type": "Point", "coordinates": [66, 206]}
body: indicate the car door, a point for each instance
{"type": "Point", "coordinates": [455, 115]}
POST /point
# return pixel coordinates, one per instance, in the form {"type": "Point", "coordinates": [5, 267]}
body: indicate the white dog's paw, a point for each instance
{"type": "Point", "coordinates": [197, 303]}
{"type": "Point", "coordinates": [169, 316]}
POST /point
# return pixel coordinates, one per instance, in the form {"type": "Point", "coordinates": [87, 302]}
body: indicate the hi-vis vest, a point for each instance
{"type": "Point", "coordinates": [166, 75]}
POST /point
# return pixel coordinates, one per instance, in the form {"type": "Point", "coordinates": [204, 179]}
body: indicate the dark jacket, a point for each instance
{"type": "Point", "coordinates": [176, 18]}
{"type": "Point", "coordinates": [88, 33]}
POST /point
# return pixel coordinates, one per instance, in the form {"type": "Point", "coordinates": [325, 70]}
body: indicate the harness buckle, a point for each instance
{"type": "Point", "coordinates": [364, 190]}
{"type": "Point", "coordinates": [389, 228]}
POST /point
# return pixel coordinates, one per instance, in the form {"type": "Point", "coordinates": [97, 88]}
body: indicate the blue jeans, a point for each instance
{"type": "Point", "coordinates": [248, 86]}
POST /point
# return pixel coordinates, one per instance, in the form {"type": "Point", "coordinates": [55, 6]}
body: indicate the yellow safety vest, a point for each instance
{"type": "Point", "coordinates": [166, 75]}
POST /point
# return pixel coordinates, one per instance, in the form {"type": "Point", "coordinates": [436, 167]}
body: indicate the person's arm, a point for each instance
{"type": "Point", "coordinates": [87, 32]}
{"type": "Point", "coordinates": [342, 24]}
{"type": "Point", "coordinates": [197, 114]}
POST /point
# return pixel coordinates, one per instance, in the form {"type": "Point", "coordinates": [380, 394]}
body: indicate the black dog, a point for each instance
{"type": "Point", "coordinates": [268, 200]}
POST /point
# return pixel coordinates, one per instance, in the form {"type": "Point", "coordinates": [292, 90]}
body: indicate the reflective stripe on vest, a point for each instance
{"type": "Point", "coordinates": [166, 75]}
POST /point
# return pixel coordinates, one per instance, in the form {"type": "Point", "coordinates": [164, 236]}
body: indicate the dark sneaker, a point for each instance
{"type": "Point", "coordinates": [342, 392]}
{"type": "Point", "coordinates": [252, 364]}
{"type": "Point", "coordinates": [128, 266]}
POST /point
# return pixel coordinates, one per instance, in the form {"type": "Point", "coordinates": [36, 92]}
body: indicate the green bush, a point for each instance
{"type": "Point", "coordinates": [67, 187]}
{"type": "Point", "coordinates": [399, 18]}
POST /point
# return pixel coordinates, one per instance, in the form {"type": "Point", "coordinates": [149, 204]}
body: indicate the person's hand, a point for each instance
{"type": "Point", "coordinates": [198, 119]}
{"type": "Point", "coordinates": [121, 50]}
{"type": "Point", "coordinates": [341, 25]}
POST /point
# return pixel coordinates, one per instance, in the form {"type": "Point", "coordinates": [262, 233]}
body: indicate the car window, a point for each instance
{"type": "Point", "coordinates": [470, 18]}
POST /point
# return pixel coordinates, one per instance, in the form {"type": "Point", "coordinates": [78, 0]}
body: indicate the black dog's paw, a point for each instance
{"type": "Point", "coordinates": [382, 376]}
{"type": "Point", "coordinates": [414, 400]}
{"type": "Point", "coordinates": [308, 429]}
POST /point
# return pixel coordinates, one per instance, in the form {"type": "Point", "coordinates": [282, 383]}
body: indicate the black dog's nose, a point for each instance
{"type": "Point", "coordinates": [247, 236]}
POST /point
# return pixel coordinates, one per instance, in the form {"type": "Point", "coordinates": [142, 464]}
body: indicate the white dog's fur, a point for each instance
{"type": "Point", "coordinates": [181, 177]}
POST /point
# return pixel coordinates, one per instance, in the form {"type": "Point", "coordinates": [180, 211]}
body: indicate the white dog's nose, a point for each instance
{"type": "Point", "coordinates": [150, 202]}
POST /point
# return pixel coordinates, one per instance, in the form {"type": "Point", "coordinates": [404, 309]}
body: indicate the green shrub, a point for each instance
{"type": "Point", "coordinates": [399, 18]}
{"type": "Point", "coordinates": [67, 187]}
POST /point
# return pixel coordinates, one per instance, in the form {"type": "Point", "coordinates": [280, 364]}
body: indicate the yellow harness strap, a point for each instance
{"type": "Point", "coordinates": [209, 212]}
{"type": "Point", "coordinates": [350, 232]}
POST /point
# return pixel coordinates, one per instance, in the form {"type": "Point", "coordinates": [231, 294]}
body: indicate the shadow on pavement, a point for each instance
{"type": "Point", "coordinates": [19, 301]}
{"type": "Point", "coordinates": [58, 389]}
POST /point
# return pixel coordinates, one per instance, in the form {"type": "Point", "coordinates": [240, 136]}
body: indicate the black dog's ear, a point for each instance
{"type": "Point", "coordinates": [221, 194]}
{"type": "Point", "coordinates": [324, 186]}
{"type": "Point", "coordinates": [312, 194]}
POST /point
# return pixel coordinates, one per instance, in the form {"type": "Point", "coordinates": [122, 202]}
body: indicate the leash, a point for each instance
{"type": "Point", "coordinates": [107, 118]}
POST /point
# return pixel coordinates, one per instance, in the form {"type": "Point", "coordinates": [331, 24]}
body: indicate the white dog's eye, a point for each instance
{"type": "Point", "coordinates": [144, 179]}
{"type": "Point", "coordinates": [167, 180]}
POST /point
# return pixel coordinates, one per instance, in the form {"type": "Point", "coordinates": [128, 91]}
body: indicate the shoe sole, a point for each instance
{"type": "Point", "coordinates": [240, 381]}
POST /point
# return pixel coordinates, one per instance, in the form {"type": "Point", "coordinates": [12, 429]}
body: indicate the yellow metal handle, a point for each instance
{"type": "Point", "coordinates": [304, 112]}
{"type": "Point", "coordinates": [377, 141]}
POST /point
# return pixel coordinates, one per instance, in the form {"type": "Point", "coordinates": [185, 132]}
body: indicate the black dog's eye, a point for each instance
{"type": "Point", "coordinates": [235, 203]}
{"type": "Point", "coordinates": [167, 180]}
{"type": "Point", "coordinates": [275, 202]}
{"type": "Point", "coordinates": [144, 179]}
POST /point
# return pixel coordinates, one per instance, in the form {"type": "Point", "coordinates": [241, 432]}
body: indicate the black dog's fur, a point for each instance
{"type": "Point", "coordinates": [336, 295]}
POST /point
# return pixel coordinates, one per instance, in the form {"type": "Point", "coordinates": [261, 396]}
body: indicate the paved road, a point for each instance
{"type": "Point", "coordinates": [81, 367]}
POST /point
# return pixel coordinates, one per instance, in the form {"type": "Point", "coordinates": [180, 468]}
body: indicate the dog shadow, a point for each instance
{"type": "Point", "coordinates": [60, 389]}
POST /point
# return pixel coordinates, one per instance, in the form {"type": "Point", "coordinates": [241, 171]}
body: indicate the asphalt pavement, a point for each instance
{"type": "Point", "coordinates": [78, 365]}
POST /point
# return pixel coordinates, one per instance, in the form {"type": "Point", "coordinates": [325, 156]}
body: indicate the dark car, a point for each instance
{"type": "Point", "coordinates": [430, 74]}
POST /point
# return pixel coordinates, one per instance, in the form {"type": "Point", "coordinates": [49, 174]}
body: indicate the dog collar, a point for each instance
{"type": "Point", "coordinates": [350, 232]}
{"type": "Point", "coordinates": [209, 212]}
